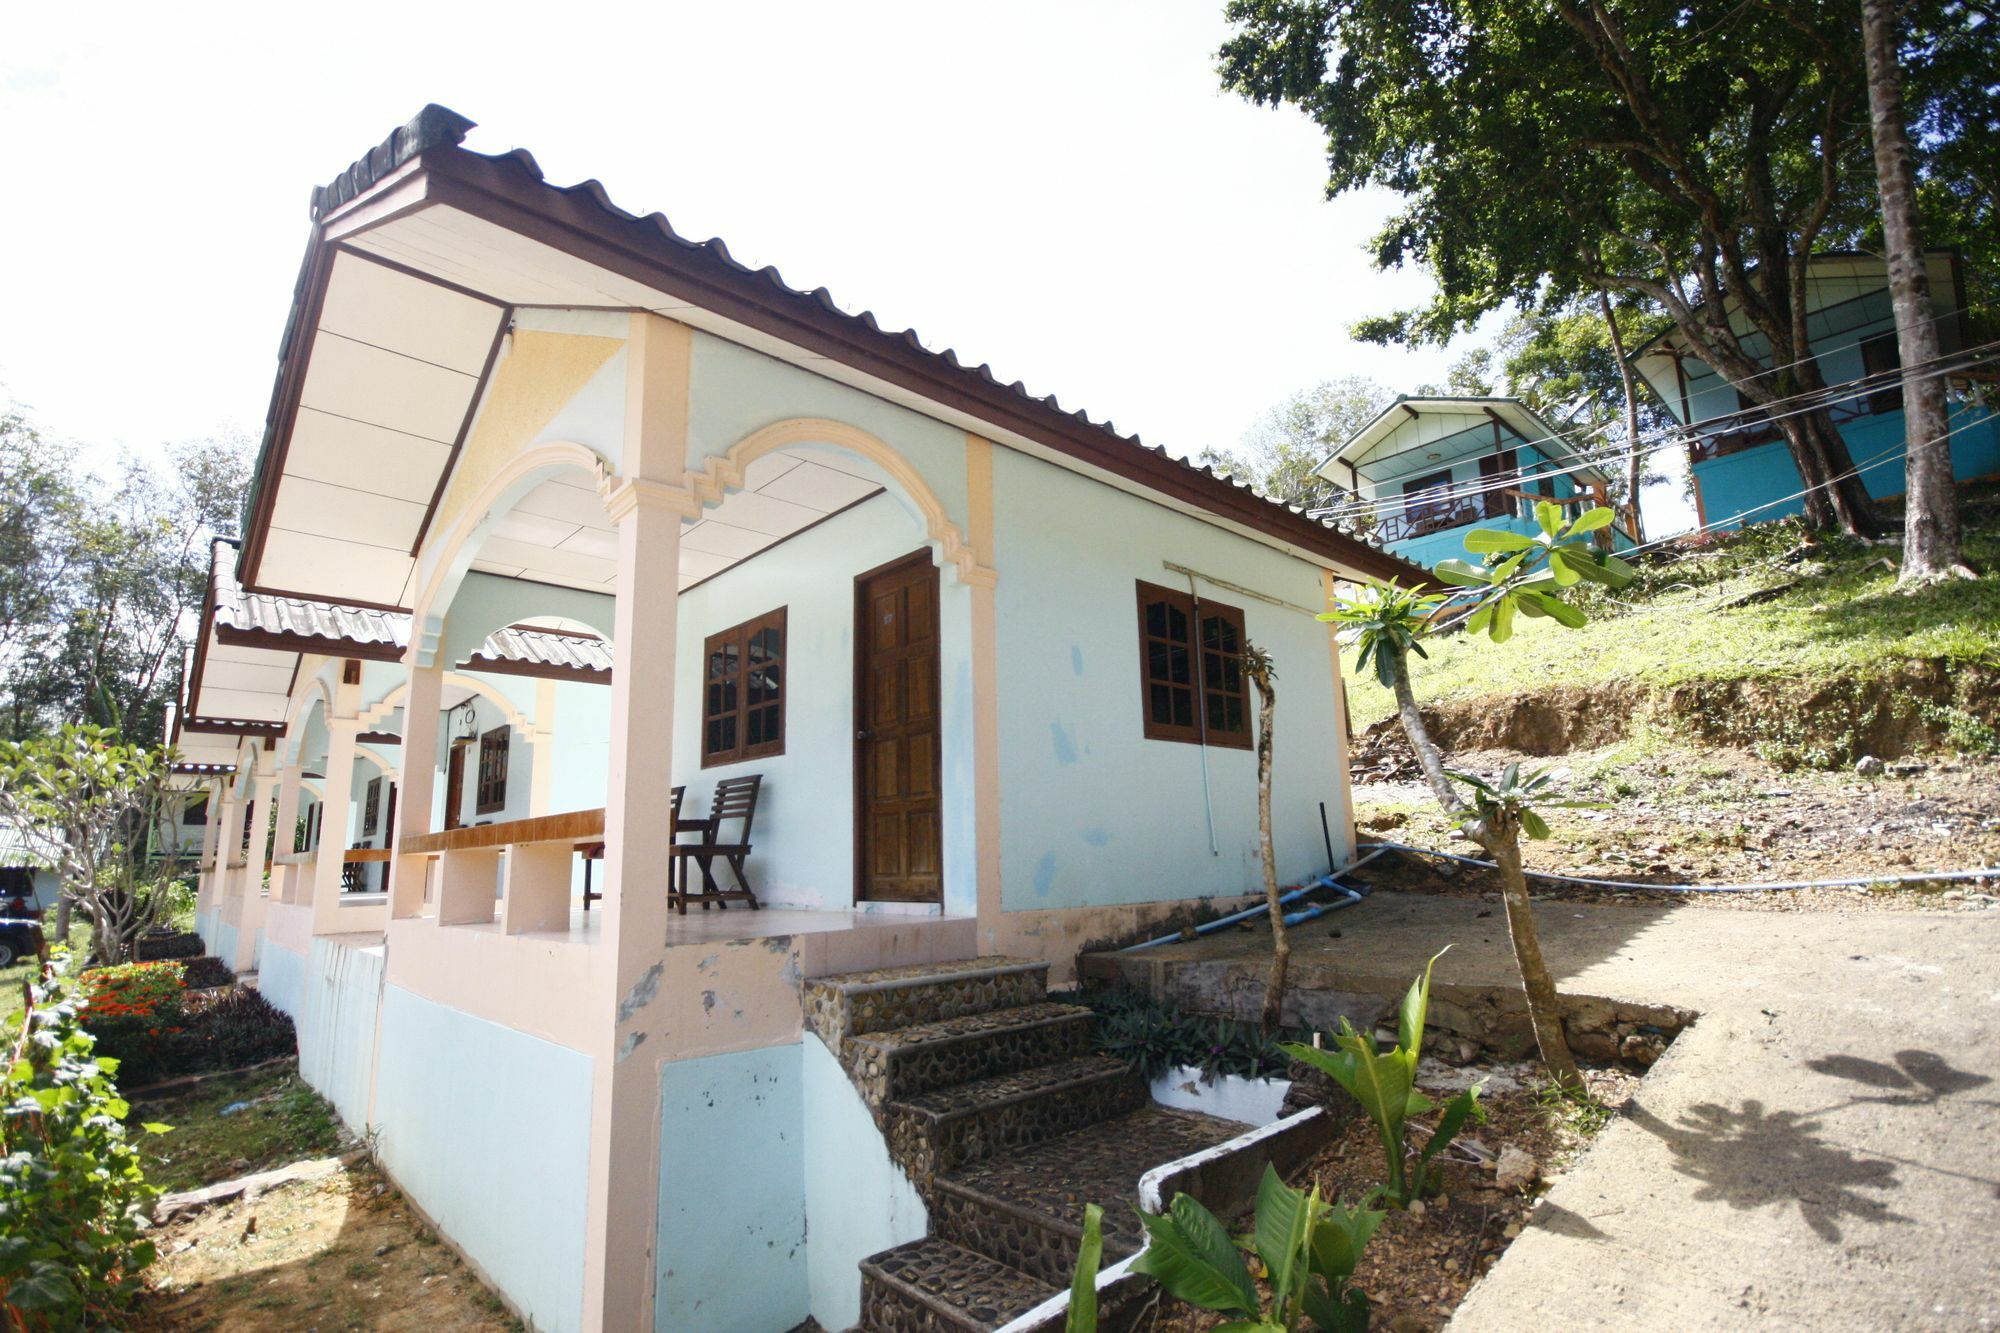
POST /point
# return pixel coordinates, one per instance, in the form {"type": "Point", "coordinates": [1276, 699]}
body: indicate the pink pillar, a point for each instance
{"type": "Point", "coordinates": [342, 733]}
{"type": "Point", "coordinates": [413, 799]}
{"type": "Point", "coordinates": [647, 502]}
{"type": "Point", "coordinates": [256, 863]}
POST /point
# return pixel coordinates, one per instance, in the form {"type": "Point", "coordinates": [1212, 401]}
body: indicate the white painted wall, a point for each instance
{"type": "Point", "coordinates": [1092, 813]}
{"type": "Point", "coordinates": [858, 1202]}
{"type": "Point", "coordinates": [340, 1000]}
{"type": "Point", "coordinates": [487, 1129]}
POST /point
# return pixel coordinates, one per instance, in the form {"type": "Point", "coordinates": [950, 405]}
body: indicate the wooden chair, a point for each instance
{"type": "Point", "coordinates": [595, 851]}
{"type": "Point", "coordinates": [735, 798]}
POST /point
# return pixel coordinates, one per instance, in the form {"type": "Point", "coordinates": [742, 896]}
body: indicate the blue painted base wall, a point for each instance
{"type": "Point", "coordinates": [223, 946]}
{"type": "Point", "coordinates": [488, 1130]}
{"type": "Point", "coordinates": [732, 1223]}
{"type": "Point", "coordinates": [1758, 485]}
{"type": "Point", "coordinates": [339, 1003]}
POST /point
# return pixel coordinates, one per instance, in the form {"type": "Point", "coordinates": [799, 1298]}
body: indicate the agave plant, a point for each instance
{"type": "Point", "coordinates": [1385, 1083]}
{"type": "Point", "coordinates": [1309, 1248]}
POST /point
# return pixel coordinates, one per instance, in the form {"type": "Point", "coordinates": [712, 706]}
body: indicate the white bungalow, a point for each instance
{"type": "Point", "coordinates": [557, 511]}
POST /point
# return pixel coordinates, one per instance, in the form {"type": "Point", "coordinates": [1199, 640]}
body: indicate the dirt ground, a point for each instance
{"type": "Point", "coordinates": [343, 1252]}
{"type": "Point", "coordinates": [1673, 815]}
{"type": "Point", "coordinates": [1420, 1264]}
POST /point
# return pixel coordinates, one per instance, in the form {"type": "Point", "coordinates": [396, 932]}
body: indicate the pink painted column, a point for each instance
{"type": "Point", "coordinates": [256, 862]}
{"type": "Point", "coordinates": [342, 732]}
{"type": "Point", "coordinates": [413, 799]}
{"type": "Point", "coordinates": [647, 502]}
{"type": "Point", "coordinates": [207, 878]}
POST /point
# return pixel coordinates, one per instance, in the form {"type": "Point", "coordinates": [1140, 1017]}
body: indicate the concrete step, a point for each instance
{"type": "Point", "coordinates": [905, 1062]}
{"type": "Point", "coordinates": [939, 1131]}
{"type": "Point", "coordinates": [1026, 1208]}
{"type": "Point", "coordinates": [839, 1008]}
{"type": "Point", "coordinates": [935, 1285]}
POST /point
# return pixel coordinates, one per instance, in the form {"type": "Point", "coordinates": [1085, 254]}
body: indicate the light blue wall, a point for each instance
{"type": "Point", "coordinates": [281, 976]}
{"type": "Point", "coordinates": [1092, 812]}
{"type": "Point", "coordinates": [336, 1022]}
{"type": "Point", "coordinates": [858, 1202]}
{"type": "Point", "coordinates": [731, 1256]}
{"type": "Point", "coordinates": [224, 944]}
{"type": "Point", "coordinates": [487, 1129]}
{"type": "Point", "coordinates": [1760, 484]}
{"type": "Point", "coordinates": [737, 391]}
{"type": "Point", "coordinates": [804, 834]}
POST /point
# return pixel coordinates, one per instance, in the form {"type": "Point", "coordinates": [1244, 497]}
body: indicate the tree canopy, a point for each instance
{"type": "Point", "coordinates": [1689, 156]}
{"type": "Point", "coordinates": [1279, 452]}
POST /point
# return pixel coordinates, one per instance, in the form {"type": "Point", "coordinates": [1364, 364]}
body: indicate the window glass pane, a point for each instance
{"type": "Point", "coordinates": [1177, 624]}
{"type": "Point", "coordinates": [764, 645]}
{"type": "Point", "coordinates": [1183, 708]}
{"type": "Point", "coordinates": [727, 726]}
{"type": "Point", "coordinates": [1156, 661]}
{"type": "Point", "coordinates": [1156, 619]}
{"type": "Point", "coordinates": [1160, 703]}
{"type": "Point", "coordinates": [1179, 666]}
{"type": "Point", "coordinates": [753, 727]}
{"type": "Point", "coordinates": [1233, 716]}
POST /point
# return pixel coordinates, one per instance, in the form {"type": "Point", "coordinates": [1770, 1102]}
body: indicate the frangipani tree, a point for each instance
{"type": "Point", "coordinates": [1520, 575]}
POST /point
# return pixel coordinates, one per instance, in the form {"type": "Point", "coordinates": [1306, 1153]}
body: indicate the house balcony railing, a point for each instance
{"type": "Point", "coordinates": [1508, 503]}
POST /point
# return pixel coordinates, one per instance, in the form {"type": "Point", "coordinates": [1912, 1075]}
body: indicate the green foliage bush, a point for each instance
{"type": "Point", "coordinates": [72, 1196]}
{"type": "Point", "coordinates": [232, 1030]}
{"type": "Point", "coordinates": [152, 947]}
{"type": "Point", "coordinates": [1157, 1038]}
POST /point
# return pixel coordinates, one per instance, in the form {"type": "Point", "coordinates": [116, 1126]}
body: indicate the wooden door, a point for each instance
{"type": "Point", "coordinates": [896, 757]}
{"type": "Point", "coordinates": [454, 786]}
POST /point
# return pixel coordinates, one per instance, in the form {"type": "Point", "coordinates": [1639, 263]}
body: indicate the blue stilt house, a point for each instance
{"type": "Point", "coordinates": [1427, 470]}
{"type": "Point", "coordinates": [1742, 471]}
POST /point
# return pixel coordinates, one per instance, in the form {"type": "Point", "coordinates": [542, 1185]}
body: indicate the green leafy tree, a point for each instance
{"type": "Point", "coordinates": [1520, 576]}
{"type": "Point", "coordinates": [1691, 157]}
{"type": "Point", "coordinates": [73, 1200]}
{"type": "Point", "coordinates": [1279, 455]}
{"type": "Point", "coordinates": [87, 803]}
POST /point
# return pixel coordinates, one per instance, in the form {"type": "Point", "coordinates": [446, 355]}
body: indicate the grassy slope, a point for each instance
{"type": "Point", "coordinates": [1671, 626]}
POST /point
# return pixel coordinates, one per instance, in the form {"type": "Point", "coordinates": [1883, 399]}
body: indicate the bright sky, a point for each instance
{"type": "Point", "coordinates": [1061, 189]}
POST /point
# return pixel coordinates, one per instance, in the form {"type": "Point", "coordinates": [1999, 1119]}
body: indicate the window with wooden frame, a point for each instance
{"type": "Point", "coordinates": [490, 796]}
{"type": "Point", "coordinates": [1191, 669]}
{"type": "Point", "coordinates": [1880, 357]}
{"type": "Point", "coordinates": [371, 807]}
{"type": "Point", "coordinates": [743, 691]}
{"type": "Point", "coordinates": [195, 812]}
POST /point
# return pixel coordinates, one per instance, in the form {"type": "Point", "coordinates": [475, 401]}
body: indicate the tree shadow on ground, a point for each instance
{"type": "Point", "coordinates": [1918, 1078]}
{"type": "Point", "coordinates": [1754, 1158]}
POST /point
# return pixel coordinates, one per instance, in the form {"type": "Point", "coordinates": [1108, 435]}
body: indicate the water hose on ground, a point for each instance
{"type": "Point", "coordinates": [1330, 881]}
{"type": "Point", "coordinates": [1990, 872]}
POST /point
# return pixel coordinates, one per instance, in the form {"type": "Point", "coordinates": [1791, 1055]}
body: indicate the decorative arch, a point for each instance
{"type": "Point", "coordinates": [725, 473]}
{"type": "Point", "coordinates": [455, 553]}
{"type": "Point", "coordinates": [385, 709]}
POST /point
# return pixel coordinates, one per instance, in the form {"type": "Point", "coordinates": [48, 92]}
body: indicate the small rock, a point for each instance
{"type": "Point", "coordinates": [1513, 1229]}
{"type": "Point", "coordinates": [1909, 768]}
{"type": "Point", "coordinates": [1868, 766]}
{"type": "Point", "coordinates": [1517, 1169]}
{"type": "Point", "coordinates": [1416, 1209]}
{"type": "Point", "coordinates": [1642, 1048]}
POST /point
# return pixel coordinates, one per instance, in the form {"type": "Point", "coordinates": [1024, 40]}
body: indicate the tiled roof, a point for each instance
{"type": "Point", "coordinates": [367, 627]}
{"type": "Point", "coordinates": [437, 127]}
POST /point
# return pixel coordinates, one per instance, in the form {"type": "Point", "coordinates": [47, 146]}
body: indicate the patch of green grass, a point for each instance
{"type": "Point", "coordinates": [284, 1121]}
{"type": "Point", "coordinates": [1844, 617]}
{"type": "Point", "coordinates": [13, 977]}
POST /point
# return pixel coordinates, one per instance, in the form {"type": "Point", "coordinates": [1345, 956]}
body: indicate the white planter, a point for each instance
{"type": "Point", "coordinates": [1253, 1101]}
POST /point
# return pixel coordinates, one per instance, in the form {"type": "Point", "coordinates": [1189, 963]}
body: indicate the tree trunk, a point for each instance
{"type": "Point", "coordinates": [1544, 1005]}
{"type": "Point", "coordinates": [1931, 550]}
{"type": "Point", "coordinates": [1257, 665]}
{"type": "Point", "coordinates": [1635, 462]}
{"type": "Point", "coordinates": [1504, 846]}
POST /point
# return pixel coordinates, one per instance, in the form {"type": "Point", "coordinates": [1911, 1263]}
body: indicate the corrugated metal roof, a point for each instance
{"type": "Point", "coordinates": [258, 612]}
{"type": "Point", "coordinates": [439, 128]}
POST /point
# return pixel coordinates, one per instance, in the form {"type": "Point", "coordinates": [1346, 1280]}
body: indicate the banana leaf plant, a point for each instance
{"type": "Point", "coordinates": [1308, 1247]}
{"type": "Point", "coordinates": [1385, 1083]}
{"type": "Point", "coordinates": [1082, 1317]}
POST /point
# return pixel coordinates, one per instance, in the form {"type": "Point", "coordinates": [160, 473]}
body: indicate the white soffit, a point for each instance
{"type": "Point", "coordinates": [559, 533]}
{"type": "Point", "coordinates": [394, 365]}
{"type": "Point", "coordinates": [244, 684]}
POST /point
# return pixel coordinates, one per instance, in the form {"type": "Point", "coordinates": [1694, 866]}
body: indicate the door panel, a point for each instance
{"type": "Point", "coordinates": [897, 808]}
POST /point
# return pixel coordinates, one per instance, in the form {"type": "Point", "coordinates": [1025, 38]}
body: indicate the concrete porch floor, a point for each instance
{"type": "Point", "coordinates": [1815, 1152]}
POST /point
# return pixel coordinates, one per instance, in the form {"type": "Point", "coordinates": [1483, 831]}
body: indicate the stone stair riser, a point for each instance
{"type": "Point", "coordinates": [838, 1013]}
{"type": "Point", "coordinates": [883, 1077]}
{"type": "Point", "coordinates": [928, 1144]}
{"type": "Point", "coordinates": [1035, 1245]}
{"type": "Point", "coordinates": [884, 1309]}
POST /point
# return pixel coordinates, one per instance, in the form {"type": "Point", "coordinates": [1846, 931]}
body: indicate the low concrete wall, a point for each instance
{"type": "Point", "coordinates": [731, 1252]}
{"type": "Point", "coordinates": [281, 976]}
{"type": "Point", "coordinates": [487, 1130]}
{"type": "Point", "coordinates": [858, 1201]}
{"type": "Point", "coordinates": [340, 1002]}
